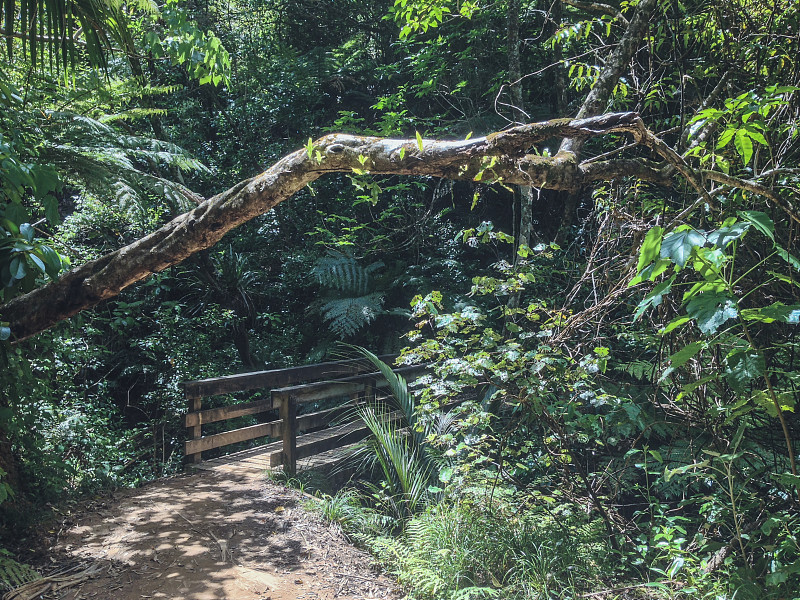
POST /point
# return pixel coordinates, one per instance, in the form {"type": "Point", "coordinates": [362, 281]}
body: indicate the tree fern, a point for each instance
{"type": "Point", "coordinates": [347, 316]}
{"type": "Point", "coordinates": [99, 159]}
{"type": "Point", "coordinates": [351, 302]}
{"type": "Point", "coordinates": [344, 273]}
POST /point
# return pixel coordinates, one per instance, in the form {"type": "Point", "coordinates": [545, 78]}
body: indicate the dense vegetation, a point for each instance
{"type": "Point", "coordinates": [633, 340]}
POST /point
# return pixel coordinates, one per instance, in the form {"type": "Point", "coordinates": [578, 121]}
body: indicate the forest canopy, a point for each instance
{"type": "Point", "coordinates": [586, 210]}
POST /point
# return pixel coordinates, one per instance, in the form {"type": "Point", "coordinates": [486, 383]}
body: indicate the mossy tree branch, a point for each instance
{"type": "Point", "coordinates": [499, 157]}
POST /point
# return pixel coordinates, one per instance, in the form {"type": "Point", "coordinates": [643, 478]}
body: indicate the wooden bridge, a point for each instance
{"type": "Point", "coordinates": [342, 384]}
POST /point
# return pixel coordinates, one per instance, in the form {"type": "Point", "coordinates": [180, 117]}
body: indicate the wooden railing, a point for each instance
{"type": "Point", "coordinates": [288, 388]}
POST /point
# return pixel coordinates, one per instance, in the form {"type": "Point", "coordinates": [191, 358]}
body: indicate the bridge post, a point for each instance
{"type": "Point", "coordinates": [369, 390]}
{"type": "Point", "coordinates": [195, 432]}
{"type": "Point", "coordinates": [288, 415]}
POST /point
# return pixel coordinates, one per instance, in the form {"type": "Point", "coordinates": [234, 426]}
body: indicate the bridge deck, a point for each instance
{"type": "Point", "coordinates": [257, 460]}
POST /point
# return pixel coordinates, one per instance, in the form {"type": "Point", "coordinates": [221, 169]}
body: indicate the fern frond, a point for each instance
{"type": "Point", "coordinates": [133, 114]}
{"type": "Point", "coordinates": [346, 316]}
{"type": "Point", "coordinates": [14, 574]}
{"type": "Point", "coordinates": [344, 273]}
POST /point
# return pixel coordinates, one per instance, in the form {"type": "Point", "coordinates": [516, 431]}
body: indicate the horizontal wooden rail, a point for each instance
{"type": "Point", "coordinates": [223, 413]}
{"type": "Point", "coordinates": [320, 390]}
{"type": "Point", "coordinates": [244, 382]}
{"type": "Point", "coordinates": [209, 442]}
{"type": "Point", "coordinates": [272, 429]}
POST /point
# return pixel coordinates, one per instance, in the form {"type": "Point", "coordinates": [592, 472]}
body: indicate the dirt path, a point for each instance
{"type": "Point", "coordinates": [214, 537]}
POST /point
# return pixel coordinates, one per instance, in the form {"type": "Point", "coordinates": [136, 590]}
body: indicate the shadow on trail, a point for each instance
{"type": "Point", "coordinates": [204, 536]}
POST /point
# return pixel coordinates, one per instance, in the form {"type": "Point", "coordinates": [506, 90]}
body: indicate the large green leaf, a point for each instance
{"type": "Point", "coordinates": [743, 366]}
{"type": "Point", "coordinates": [678, 245]}
{"type": "Point", "coordinates": [760, 221]}
{"type": "Point", "coordinates": [744, 145]}
{"type": "Point", "coordinates": [681, 357]}
{"type": "Point", "coordinates": [725, 235]}
{"type": "Point", "coordinates": [654, 298]}
{"type": "Point", "coordinates": [777, 311]}
{"type": "Point", "coordinates": [651, 246]}
{"type": "Point", "coordinates": [711, 310]}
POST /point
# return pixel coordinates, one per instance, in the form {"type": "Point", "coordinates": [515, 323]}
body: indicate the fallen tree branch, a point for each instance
{"type": "Point", "coordinates": [496, 158]}
{"type": "Point", "coordinates": [493, 158]}
{"type": "Point", "coordinates": [55, 583]}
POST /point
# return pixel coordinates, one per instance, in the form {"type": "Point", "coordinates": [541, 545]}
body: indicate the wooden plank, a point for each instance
{"type": "Point", "coordinates": [218, 440]}
{"type": "Point", "coordinates": [322, 417]}
{"type": "Point", "coordinates": [276, 377]}
{"type": "Point", "coordinates": [321, 390]}
{"type": "Point", "coordinates": [212, 415]}
{"type": "Point", "coordinates": [272, 429]}
{"type": "Point", "coordinates": [354, 432]}
{"type": "Point", "coordinates": [320, 441]}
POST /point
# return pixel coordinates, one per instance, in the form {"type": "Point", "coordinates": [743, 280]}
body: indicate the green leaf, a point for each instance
{"type": "Point", "coordinates": [764, 401]}
{"type": "Point", "coordinates": [744, 145]}
{"type": "Point", "coordinates": [17, 213]}
{"type": "Point", "coordinates": [419, 142]}
{"type": "Point", "coordinates": [654, 298]}
{"type": "Point", "coordinates": [446, 474]}
{"type": "Point", "coordinates": [17, 268]}
{"type": "Point", "coordinates": [674, 324]}
{"type": "Point", "coordinates": [26, 231]}
{"type": "Point", "coordinates": [725, 138]}
{"type": "Point", "coordinates": [675, 567]}
{"type": "Point", "coordinates": [788, 257]}
{"type": "Point", "coordinates": [743, 366]}
{"type": "Point", "coordinates": [711, 310]}
{"type": "Point", "coordinates": [45, 181]}
{"type": "Point", "coordinates": [678, 245]}
{"type": "Point", "coordinates": [756, 136]}
{"type": "Point", "coordinates": [725, 235]}
{"type": "Point", "coordinates": [777, 311]}
{"type": "Point", "coordinates": [760, 221]}
{"type": "Point", "coordinates": [51, 260]}
{"type": "Point", "coordinates": [651, 246]}
{"type": "Point", "coordinates": [681, 357]}
{"type": "Point", "coordinates": [51, 209]}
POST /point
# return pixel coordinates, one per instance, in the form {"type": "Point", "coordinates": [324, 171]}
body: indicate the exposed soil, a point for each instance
{"type": "Point", "coordinates": [212, 536]}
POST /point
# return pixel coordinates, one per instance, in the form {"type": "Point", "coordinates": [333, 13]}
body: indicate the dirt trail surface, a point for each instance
{"type": "Point", "coordinates": [212, 536]}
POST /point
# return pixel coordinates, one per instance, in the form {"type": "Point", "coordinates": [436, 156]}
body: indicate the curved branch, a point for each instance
{"type": "Point", "coordinates": [494, 158]}
{"type": "Point", "coordinates": [756, 188]}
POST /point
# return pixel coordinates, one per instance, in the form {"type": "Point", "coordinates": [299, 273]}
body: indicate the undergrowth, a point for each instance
{"type": "Point", "coordinates": [478, 548]}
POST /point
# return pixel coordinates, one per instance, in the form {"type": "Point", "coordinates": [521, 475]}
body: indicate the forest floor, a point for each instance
{"type": "Point", "coordinates": [207, 536]}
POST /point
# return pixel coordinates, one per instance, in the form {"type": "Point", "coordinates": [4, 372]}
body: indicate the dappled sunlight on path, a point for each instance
{"type": "Point", "coordinates": [216, 536]}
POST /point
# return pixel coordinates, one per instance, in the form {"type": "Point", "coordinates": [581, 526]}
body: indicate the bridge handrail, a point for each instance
{"type": "Point", "coordinates": [244, 382]}
{"type": "Point", "coordinates": [284, 398]}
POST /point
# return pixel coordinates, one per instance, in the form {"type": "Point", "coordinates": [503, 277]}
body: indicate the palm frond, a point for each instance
{"type": "Point", "coordinates": [54, 29]}
{"type": "Point", "coordinates": [398, 386]}
{"type": "Point", "coordinates": [406, 473]}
